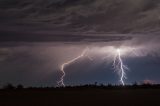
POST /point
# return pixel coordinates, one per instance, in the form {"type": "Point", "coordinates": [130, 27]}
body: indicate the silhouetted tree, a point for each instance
{"type": "Point", "coordinates": [109, 85]}
{"type": "Point", "coordinates": [135, 84]}
{"type": "Point", "coordinates": [95, 83]}
{"type": "Point", "coordinates": [20, 86]}
{"type": "Point", "coordinates": [9, 86]}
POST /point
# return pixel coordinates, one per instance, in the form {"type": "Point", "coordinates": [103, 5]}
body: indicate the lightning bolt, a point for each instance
{"type": "Point", "coordinates": [119, 66]}
{"type": "Point", "coordinates": [62, 68]}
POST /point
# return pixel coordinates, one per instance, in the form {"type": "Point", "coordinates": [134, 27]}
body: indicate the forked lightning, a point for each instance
{"type": "Point", "coordinates": [119, 66]}
{"type": "Point", "coordinates": [61, 81]}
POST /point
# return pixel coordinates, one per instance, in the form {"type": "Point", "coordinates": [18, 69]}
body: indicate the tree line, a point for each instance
{"type": "Point", "coordinates": [10, 86]}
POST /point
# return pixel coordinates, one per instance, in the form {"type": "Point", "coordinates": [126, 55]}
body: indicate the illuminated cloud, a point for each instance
{"type": "Point", "coordinates": [149, 81]}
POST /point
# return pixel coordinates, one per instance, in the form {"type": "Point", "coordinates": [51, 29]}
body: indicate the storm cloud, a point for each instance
{"type": "Point", "coordinates": [38, 36]}
{"type": "Point", "coordinates": [21, 18]}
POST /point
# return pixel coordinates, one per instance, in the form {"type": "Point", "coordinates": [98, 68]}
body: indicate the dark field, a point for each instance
{"type": "Point", "coordinates": [80, 97]}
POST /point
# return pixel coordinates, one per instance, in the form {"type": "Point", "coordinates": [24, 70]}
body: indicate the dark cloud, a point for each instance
{"type": "Point", "coordinates": [13, 36]}
{"type": "Point", "coordinates": [119, 16]}
{"type": "Point", "coordinates": [40, 20]}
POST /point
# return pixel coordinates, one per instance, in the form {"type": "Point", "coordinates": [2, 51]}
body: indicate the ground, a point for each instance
{"type": "Point", "coordinates": [80, 97]}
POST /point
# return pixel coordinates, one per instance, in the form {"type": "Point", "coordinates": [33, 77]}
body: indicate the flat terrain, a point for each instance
{"type": "Point", "coordinates": [80, 97]}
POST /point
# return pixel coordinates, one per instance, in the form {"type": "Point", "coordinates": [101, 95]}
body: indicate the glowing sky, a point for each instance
{"type": "Point", "coordinates": [37, 37]}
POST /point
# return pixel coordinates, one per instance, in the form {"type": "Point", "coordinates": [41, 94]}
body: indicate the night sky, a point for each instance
{"type": "Point", "coordinates": [38, 36]}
